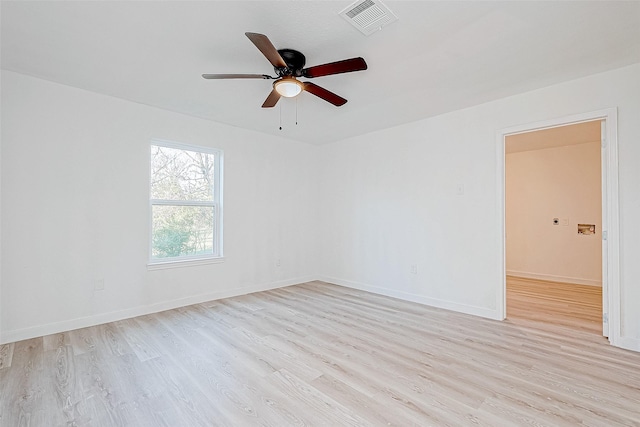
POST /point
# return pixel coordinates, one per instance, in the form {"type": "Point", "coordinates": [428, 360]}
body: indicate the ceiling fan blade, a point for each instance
{"type": "Point", "coordinates": [321, 92]}
{"type": "Point", "coordinates": [271, 100]}
{"type": "Point", "coordinates": [265, 46]}
{"type": "Point", "coordinates": [236, 76]}
{"type": "Point", "coordinates": [338, 67]}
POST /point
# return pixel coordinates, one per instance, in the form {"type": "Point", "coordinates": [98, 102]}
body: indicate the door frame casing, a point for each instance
{"type": "Point", "coordinates": [610, 212]}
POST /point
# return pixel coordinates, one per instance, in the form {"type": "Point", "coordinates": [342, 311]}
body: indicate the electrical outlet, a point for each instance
{"type": "Point", "coordinates": [99, 285]}
{"type": "Point", "coordinates": [278, 263]}
{"type": "Point", "coordinates": [414, 269]}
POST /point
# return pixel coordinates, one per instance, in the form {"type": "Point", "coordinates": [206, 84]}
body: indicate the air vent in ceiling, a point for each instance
{"type": "Point", "coordinates": [368, 16]}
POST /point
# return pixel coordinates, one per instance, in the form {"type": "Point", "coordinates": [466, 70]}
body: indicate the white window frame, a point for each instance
{"type": "Point", "coordinates": [216, 204]}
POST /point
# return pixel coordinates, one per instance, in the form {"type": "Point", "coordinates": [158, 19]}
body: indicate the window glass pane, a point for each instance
{"type": "Point", "coordinates": [181, 175]}
{"type": "Point", "coordinates": [182, 231]}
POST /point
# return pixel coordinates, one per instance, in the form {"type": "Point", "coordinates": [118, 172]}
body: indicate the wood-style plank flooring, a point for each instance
{"type": "Point", "coordinates": [565, 304]}
{"type": "Point", "coordinates": [318, 355]}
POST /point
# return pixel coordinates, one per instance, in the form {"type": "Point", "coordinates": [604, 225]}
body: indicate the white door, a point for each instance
{"type": "Point", "coordinates": [605, 231]}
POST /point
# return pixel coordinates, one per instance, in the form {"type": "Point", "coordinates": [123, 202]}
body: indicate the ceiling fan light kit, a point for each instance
{"type": "Point", "coordinates": [288, 87]}
{"type": "Point", "coordinates": [288, 64]}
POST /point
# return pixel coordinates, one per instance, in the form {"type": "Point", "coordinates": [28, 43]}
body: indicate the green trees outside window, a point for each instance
{"type": "Point", "coordinates": [185, 193]}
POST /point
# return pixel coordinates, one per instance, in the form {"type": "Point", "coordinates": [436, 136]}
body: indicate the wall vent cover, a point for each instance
{"type": "Point", "coordinates": [368, 16]}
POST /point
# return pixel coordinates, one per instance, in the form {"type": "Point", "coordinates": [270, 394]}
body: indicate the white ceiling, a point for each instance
{"type": "Point", "coordinates": [438, 57]}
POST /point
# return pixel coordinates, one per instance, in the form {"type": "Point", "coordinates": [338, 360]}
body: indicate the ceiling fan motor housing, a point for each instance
{"type": "Point", "coordinates": [295, 63]}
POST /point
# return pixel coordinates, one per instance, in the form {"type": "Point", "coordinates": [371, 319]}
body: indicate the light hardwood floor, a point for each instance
{"type": "Point", "coordinates": [318, 354]}
{"type": "Point", "coordinates": [566, 304]}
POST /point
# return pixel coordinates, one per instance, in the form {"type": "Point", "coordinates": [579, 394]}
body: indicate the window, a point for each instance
{"type": "Point", "coordinates": [185, 201]}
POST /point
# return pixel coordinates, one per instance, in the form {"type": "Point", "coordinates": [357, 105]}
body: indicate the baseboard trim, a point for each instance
{"type": "Point", "coordinates": [420, 299]}
{"type": "Point", "coordinates": [628, 343]}
{"type": "Point", "coordinates": [552, 278]}
{"type": "Point", "coordinates": [113, 316]}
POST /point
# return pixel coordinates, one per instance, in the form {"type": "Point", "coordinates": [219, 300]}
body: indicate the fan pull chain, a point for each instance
{"type": "Point", "coordinates": [280, 116]}
{"type": "Point", "coordinates": [296, 111]}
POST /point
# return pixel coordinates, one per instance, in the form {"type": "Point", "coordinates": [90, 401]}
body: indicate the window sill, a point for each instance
{"type": "Point", "coordinates": [162, 265]}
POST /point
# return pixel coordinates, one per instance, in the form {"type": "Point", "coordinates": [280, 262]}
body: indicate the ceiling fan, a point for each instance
{"type": "Point", "coordinates": [289, 65]}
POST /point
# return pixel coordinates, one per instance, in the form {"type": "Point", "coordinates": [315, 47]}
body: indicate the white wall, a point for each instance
{"type": "Point", "coordinates": [389, 199]}
{"type": "Point", "coordinates": [1, 341]}
{"type": "Point", "coordinates": [564, 183]}
{"type": "Point", "coordinates": [360, 211]}
{"type": "Point", "coordinates": [75, 168]}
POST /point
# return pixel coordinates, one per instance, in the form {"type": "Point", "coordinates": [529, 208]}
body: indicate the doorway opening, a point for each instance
{"type": "Point", "coordinates": [603, 232]}
{"type": "Point", "coordinates": [553, 222]}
